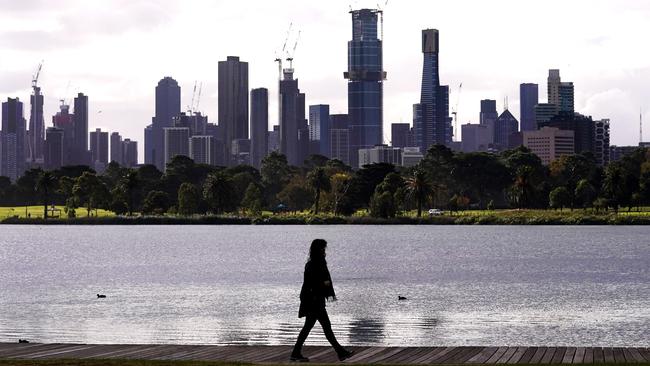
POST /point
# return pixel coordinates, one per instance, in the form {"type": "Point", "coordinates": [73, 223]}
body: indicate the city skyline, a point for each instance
{"type": "Point", "coordinates": [122, 87]}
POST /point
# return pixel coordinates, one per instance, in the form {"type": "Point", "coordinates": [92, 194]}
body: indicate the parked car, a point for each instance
{"type": "Point", "coordinates": [436, 212]}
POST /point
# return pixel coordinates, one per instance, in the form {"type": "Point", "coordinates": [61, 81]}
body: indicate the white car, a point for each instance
{"type": "Point", "coordinates": [435, 212]}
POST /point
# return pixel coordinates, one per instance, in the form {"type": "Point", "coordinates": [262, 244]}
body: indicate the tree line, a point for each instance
{"type": "Point", "coordinates": [443, 179]}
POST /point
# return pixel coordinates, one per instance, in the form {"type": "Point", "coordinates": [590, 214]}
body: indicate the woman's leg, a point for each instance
{"type": "Point", "coordinates": [310, 320]}
{"type": "Point", "coordinates": [324, 321]}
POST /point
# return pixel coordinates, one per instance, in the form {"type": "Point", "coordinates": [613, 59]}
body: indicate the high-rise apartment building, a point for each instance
{"type": "Point", "coordinates": [64, 120]}
{"type": "Point", "coordinates": [12, 141]}
{"type": "Point", "coordinates": [233, 103]}
{"type": "Point", "coordinates": [549, 143]}
{"type": "Point", "coordinates": [36, 126]}
{"type": "Point", "coordinates": [80, 153]}
{"type": "Point", "coordinates": [116, 148]}
{"type": "Point", "coordinates": [340, 138]}
{"type": "Point", "coordinates": [319, 128]}
{"type": "Point", "coordinates": [54, 140]}
{"type": "Point", "coordinates": [560, 93]}
{"type": "Point", "coordinates": [601, 142]}
{"type": "Point", "coordinates": [365, 75]}
{"type": "Point", "coordinates": [99, 146]}
{"type": "Point", "coordinates": [130, 153]}
{"type": "Point", "coordinates": [259, 125]}
{"type": "Point", "coordinates": [292, 120]}
{"type": "Point", "coordinates": [168, 106]}
{"type": "Point", "coordinates": [528, 99]}
{"type": "Point", "coordinates": [399, 133]}
{"type": "Point", "coordinates": [431, 122]}
{"type": "Point", "coordinates": [176, 142]}
{"type": "Point", "coordinates": [202, 150]}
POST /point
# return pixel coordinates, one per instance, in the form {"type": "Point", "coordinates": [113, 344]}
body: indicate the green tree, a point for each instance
{"type": "Point", "coordinates": [128, 186]}
{"type": "Point", "coordinates": [156, 202]}
{"type": "Point", "coordinates": [585, 193]}
{"type": "Point", "coordinates": [219, 192]}
{"type": "Point", "coordinates": [275, 175]}
{"type": "Point", "coordinates": [522, 189]}
{"type": "Point", "coordinates": [318, 181]}
{"type": "Point", "coordinates": [296, 195]}
{"type": "Point", "coordinates": [253, 199]}
{"type": "Point", "coordinates": [419, 188]}
{"type": "Point", "coordinates": [559, 198]}
{"type": "Point", "coordinates": [189, 198]}
{"type": "Point", "coordinates": [382, 204]}
{"type": "Point", "coordinates": [46, 184]}
{"type": "Point", "coordinates": [340, 184]}
{"type": "Point", "coordinates": [84, 189]}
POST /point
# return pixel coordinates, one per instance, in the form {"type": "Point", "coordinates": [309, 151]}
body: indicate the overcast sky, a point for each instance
{"type": "Point", "coordinates": [115, 51]}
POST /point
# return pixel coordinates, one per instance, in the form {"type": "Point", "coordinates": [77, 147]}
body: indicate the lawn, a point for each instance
{"type": "Point", "coordinates": [37, 212]}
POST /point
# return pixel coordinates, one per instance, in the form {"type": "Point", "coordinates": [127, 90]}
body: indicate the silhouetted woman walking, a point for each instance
{"type": "Point", "coordinates": [316, 287]}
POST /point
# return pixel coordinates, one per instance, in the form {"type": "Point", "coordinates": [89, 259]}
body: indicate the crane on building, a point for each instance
{"type": "Point", "coordinates": [190, 108]}
{"type": "Point", "coordinates": [380, 10]}
{"type": "Point", "coordinates": [293, 51]}
{"type": "Point", "coordinates": [36, 76]}
{"type": "Point", "coordinates": [454, 112]}
{"type": "Point", "coordinates": [278, 55]}
{"type": "Point", "coordinates": [198, 98]}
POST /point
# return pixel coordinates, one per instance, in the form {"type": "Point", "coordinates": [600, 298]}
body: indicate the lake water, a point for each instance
{"type": "Point", "coordinates": [475, 285]}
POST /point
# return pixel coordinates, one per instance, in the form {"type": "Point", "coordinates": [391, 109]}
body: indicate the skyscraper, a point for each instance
{"type": "Point", "coordinates": [99, 146]}
{"type": "Point", "coordinates": [36, 126]}
{"type": "Point", "coordinates": [177, 142]}
{"type": "Point", "coordinates": [489, 115]}
{"type": "Point", "coordinates": [53, 148]}
{"type": "Point", "coordinates": [233, 103]}
{"type": "Point", "coordinates": [528, 99]}
{"type": "Point", "coordinates": [130, 153]}
{"type": "Point", "coordinates": [553, 86]}
{"type": "Point", "coordinates": [584, 129]}
{"type": "Point", "coordinates": [400, 134]}
{"type": "Point", "coordinates": [12, 143]}
{"type": "Point", "coordinates": [201, 149]}
{"type": "Point", "coordinates": [319, 127]}
{"type": "Point", "coordinates": [560, 93]}
{"type": "Point", "coordinates": [65, 121]}
{"type": "Point", "coordinates": [168, 106]}
{"type": "Point", "coordinates": [431, 122]}
{"type": "Point", "coordinates": [81, 155]}
{"type": "Point", "coordinates": [566, 92]}
{"type": "Point", "coordinates": [292, 120]}
{"type": "Point", "coordinates": [365, 76]}
{"type": "Point", "coordinates": [116, 148]}
{"type": "Point", "coordinates": [259, 125]}
{"type": "Point", "coordinates": [506, 126]}
{"type": "Point", "coordinates": [601, 142]}
{"type": "Point", "coordinates": [340, 138]}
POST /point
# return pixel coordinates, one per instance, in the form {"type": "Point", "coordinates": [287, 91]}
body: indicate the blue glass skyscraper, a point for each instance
{"type": "Point", "coordinates": [365, 83]}
{"type": "Point", "coordinates": [431, 120]}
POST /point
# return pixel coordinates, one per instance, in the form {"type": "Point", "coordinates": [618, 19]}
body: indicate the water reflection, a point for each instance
{"type": "Point", "coordinates": [366, 331]}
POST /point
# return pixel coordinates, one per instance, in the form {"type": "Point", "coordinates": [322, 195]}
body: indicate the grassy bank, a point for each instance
{"type": "Point", "coordinates": [498, 217]}
{"type": "Point", "coordinates": [36, 212]}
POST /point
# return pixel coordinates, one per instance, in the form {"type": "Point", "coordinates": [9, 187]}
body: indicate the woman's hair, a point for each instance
{"type": "Point", "coordinates": [316, 250]}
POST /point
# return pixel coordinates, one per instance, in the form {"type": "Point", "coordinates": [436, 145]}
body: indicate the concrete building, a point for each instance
{"type": "Point", "coordinates": [583, 127]}
{"type": "Point", "coordinates": [544, 112]}
{"type": "Point", "coordinates": [380, 154]}
{"type": "Point", "coordinates": [130, 153]}
{"type": "Point", "coordinates": [411, 156]}
{"type": "Point", "coordinates": [475, 137]}
{"type": "Point", "coordinates": [567, 102]}
{"type": "Point", "coordinates": [319, 128]}
{"type": "Point", "coordinates": [549, 143]}
{"type": "Point", "coordinates": [233, 103]}
{"type": "Point", "coordinates": [553, 87]}
{"type": "Point", "coordinates": [54, 138]}
{"type": "Point", "coordinates": [176, 142]}
{"type": "Point", "coordinates": [601, 142]}
{"type": "Point", "coordinates": [12, 140]}
{"type": "Point", "coordinates": [399, 133]}
{"type": "Point", "coordinates": [241, 151]}
{"type": "Point", "coordinates": [36, 126]}
{"type": "Point", "coordinates": [340, 138]}
{"type": "Point", "coordinates": [506, 126]}
{"type": "Point", "coordinates": [616, 153]}
{"type": "Point", "coordinates": [292, 120]}
{"type": "Point", "coordinates": [116, 148]}
{"type": "Point", "coordinates": [168, 106]}
{"type": "Point", "coordinates": [259, 126]}
{"type": "Point", "coordinates": [80, 153]}
{"type": "Point", "coordinates": [99, 146]}
{"type": "Point", "coordinates": [64, 120]}
{"type": "Point", "coordinates": [196, 122]}
{"type": "Point", "coordinates": [528, 99]}
{"type": "Point", "coordinates": [365, 75]}
{"type": "Point", "coordinates": [202, 150]}
{"type": "Point", "coordinates": [431, 122]}
{"type": "Point", "coordinates": [274, 139]}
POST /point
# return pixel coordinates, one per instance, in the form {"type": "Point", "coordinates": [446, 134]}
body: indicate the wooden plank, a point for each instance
{"type": "Point", "coordinates": [365, 354]}
{"type": "Point", "coordinates": [427, 355]}
{"type": "Point", "coordinates": [497, 355]}
{"type": "Point", "coordinates": [119, 351]}
{"type": "Point", "coordinates": [484, 355]}
{"type": "Point", "coordinates": [408, 352]}
{"type": "Point", "coordinates": [580, 355]}
{"type": "Point", "coordinates": [278, 351]}
{"type": "Point", "coordinates": [645, 353]}
{"type": "Point", "coordinates": [608, 353]}
{"type": "Point", "coordinates": [568, 356]}
{"type": "Point", "coordinates": [559, 355]}
{"type": "Point", "coordinates": [63, 353]}
{"type": "Point", "coordinates": [507, 355]}
{"type": "Point", "coordinates": [598, 355]}
{"type": "Point", "coordinates": [379, 357]}
{"type": "Point", "coordinates": [589, 355]}
{"type": "Point", "coordinates": [528, 355]}
{"type": "Point", "coordinates": [619, 357]}
{"type": "Point", "coordinates": [17, 348]}
{"type": "Point", "coordinates": [629, 358]}
{"type": "Point", "coordinates": [463, 356]}
{"type": "Point", "coordinates": [444, 354]}
{"type": "Point", "coordinates": [539, 354]}
{"type": "Point", "coordinates": [548, 355]}
{"type": "Point", "coordinates": [637, 355]}
{"type": "Point", "coordinates": [517, 355]}
{"type": "Point", "coordinates": [33, 350]}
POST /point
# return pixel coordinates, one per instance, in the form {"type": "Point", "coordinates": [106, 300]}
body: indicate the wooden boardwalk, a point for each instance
{"type": "Point", "coordinates": [363, 355]}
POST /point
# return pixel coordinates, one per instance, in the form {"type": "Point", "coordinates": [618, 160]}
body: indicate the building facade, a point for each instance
{"type": "Point", "coordinates": [81, 154]}
{"type": "Point", "coordinates": [340, 138]}
{"type": "Point", "coordinates": [168, 106]}
{"type": "Point", "coordinates": [292, 120]}
{"type": "Point", "coordinates": [116, 148]}
{"type": "Point", "coordinates": [601, 142]}
{"type": "Point", "coordinates": [411, 156]}
{"type": "Point", "coordinates": [319, 128]}
{"type": "Point", "coordinates": [476, 137]}
{"type": "Point", "coordinates": [36, 126]}
{"type": "Point", "coordinates": [99, 146]}
{"type": "Point", "coordinates": [259, 125]}
{"type": "Point", "coordinates": [380, 154]}
{"type": "Point", "coordinates": [130, 153]}
{"type": "Point", "coordinates": [549, 143]}
{"type": "Point", "coordinates": [399, 133]}
{"type": "Point", "coordinates": [583, 127]}
{"type": "Point", "coordinates": [176, 142]}
{"type": "Point", "coordinates": [528, 99]}
{"type": "Point", "coordinates": [544, 112]}
{"type": "Point", "coordinates": [53, 154]}
{"type": "Point", "coordinates": [12, 140]}
{"type": "Point", "coordinates": [202, 150]}
{"type": "Point", "coordinates": [506, 125]}
{"type": "Point", "coordinates": [365, 75]}
{"type": "Point", "coordinates": [233, 103]}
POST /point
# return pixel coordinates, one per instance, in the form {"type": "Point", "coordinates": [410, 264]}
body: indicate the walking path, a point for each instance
{"type": "Point", "coordinates": [363, 355]}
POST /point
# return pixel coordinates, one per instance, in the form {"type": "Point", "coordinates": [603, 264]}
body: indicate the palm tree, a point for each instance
{"type": "Point", "coordinates": [130, 184]}
{"type": "Point", "coordinates": [218, 191]}
{"type": "Point", "coordinates": [419, 188]}
{"type": "Point", "coordinates": [46, 184]}
{"type": "Point", "coordinates": [523, 187]}
{"type": "Point", "coordinates": [319, 181]}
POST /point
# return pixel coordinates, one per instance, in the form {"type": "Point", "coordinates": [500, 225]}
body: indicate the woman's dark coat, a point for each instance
{"type": "Point", "coordinates": [314, 288]}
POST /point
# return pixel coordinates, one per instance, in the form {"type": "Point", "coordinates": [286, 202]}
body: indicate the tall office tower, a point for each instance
{"type": "Point", "coordinates": [36, 126]}
{"type": "Point", "coordinates": [274, 139]}
{"type": "Point", "coordinates": [566, 92]}
{"type": "Point", "coordinates": [528, 99]}
{"type": "Point", "coordinates": [130, 153]}
{"type": "Point", "coordinates": [81, 128]}
{"type": "Point", "coordinates": [99, 146]}
{"type": "Point", "coordinates": [431, 121]}
{"type": "Point", "coordinates": [319, 128]}
{"type": "Point", "coordinates": [12, 143]}
{"type": "Point", "coordinates": [544, 112]}
{"type": "Point", "coordinates": [65, 121]}
{"type": "Point", "coordinates": [177, 142]}
{"type": "Point", "coordinates": [196, 122]}
{"type": "Point", "coordinates": [504, 128]}
{"type": "Point", "coordinates": [601, 142]}
{"type": "Point", "coordinates": [212, 129]}
{"type": "Point", "coordinates": [489, 115]}
{"type": "Point", "coordinates": [340, 138]}
{"type": "Point", "coordinates": [365, 76]}
{"type": "Point", "coordinates": [259, 126]}
{"type": "Point", "coordinates": [553, 86]}
{"type": "Point", "coordinates": [202, 150]}
{"type": "Point", "coordinates": [399, 133]}
{"type": "Point", "coordinates": [116, 148]}
{"type": "Point", "coordinates": [233, 103]}
{"type": "Point", "coordinates": [168, 106]}
{"type": "Point", "coordinates": [584, 129]}
{"type": "Point", "coordinates": [53, 151]}
{"type": "Point", "coordinates": [292, 119]}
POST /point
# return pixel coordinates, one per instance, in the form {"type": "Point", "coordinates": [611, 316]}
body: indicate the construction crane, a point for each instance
{"type": "Point", "coordinates": [278, 55]}
{"type": "Point", "coordinates": [454, 111]}
{"type": "Point", "coordinates": [36, 76]}
{"type": "Point", "coordinates": [293, 51]}
{"type": "Point", "coordinates": [381, 18]}
{"type": "Point", "coordinates": [190, 108]}
{"type": "Point", "coordinates": [198, 98]}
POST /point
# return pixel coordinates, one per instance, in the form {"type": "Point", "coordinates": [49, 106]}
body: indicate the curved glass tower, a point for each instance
{"type": "Point", "coordinates": [365, 83]}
